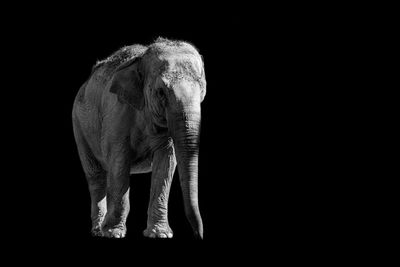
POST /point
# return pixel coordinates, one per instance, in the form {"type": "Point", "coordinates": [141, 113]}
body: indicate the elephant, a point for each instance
{"type": "Point", "coordinates": [139, 112]}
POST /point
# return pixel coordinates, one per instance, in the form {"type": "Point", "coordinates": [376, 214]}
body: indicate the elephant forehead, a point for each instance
{"type": "Point", "coordinates": [178, 71]}
{"type": "Point", "coordinates": [181, 64]}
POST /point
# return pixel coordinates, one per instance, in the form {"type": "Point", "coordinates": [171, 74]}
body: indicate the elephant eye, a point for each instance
{"type": "Point", "coordinates": [161, 94]}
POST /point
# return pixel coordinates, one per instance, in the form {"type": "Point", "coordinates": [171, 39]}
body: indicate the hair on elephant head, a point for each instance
{"type": "Point", "coordinates": [167, 80]}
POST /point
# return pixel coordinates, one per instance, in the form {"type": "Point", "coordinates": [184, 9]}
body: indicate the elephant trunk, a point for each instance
{"type": "Point", "coordinates": [185, 129]}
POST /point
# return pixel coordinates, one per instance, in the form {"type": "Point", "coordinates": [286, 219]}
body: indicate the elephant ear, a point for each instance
{"type": "Point", "coordinates": [127, 84]}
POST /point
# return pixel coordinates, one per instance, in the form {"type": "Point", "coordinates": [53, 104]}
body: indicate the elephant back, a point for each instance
{"type": "Point", "coordinates": [121, 56]}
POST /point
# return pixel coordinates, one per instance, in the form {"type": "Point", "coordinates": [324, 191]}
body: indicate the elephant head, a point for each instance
{"type": "Point", "coordinates": [167, 82]}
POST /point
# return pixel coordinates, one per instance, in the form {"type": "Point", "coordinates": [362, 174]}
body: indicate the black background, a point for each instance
{"type": "Point", "coordinates": [258, 140]}
{"type": "Point", "coordinates": [54, 58]}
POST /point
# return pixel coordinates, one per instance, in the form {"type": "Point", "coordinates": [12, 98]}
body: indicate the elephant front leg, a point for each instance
{"type": "Point", "coordinates": [114, 225]}
{"type": "Point", "coordinates": [164, 164]}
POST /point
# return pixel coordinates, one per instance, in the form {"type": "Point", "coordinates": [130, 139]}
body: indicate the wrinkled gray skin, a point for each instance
{"type": "Point", "coordinates": [139, 112]}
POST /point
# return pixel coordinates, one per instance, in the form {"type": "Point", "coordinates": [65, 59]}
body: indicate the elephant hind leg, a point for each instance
{"type": "Point", "coordinates": [96, 178]}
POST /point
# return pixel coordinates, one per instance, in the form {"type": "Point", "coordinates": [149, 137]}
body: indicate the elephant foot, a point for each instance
{"type": "Point", "coordinates": [96, 231]}
{"type": "Point", "coordinates": [114, 233]}
{"type": "Point", "coordinates": [117, 231]}
{"type": "Point", "coordinates": [96, 226]}
{"type": "Point", "coordinates": [158, 231]}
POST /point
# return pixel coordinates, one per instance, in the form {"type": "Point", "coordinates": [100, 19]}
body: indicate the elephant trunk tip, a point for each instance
{"type": "Point", "coordinates": [195, 221]}
{"type": "Point", "coordinates": [199, 234]}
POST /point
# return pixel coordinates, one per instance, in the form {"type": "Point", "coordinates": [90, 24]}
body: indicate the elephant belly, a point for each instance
{"type": "Point", "coordinates": [143, 166]}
